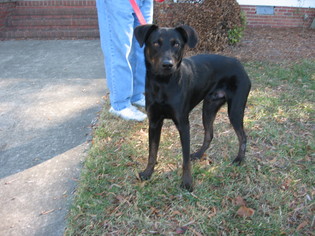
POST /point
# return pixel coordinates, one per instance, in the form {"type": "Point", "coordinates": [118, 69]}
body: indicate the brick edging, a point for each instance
{"type": "Point", "coordinates": [56, 3]}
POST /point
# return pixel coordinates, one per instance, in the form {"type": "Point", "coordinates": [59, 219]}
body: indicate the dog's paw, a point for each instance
{"type": "Point", "coordinates": [237, 161]}
{"type": "Point", "coordinates": [144, 175]}
{"type": "Point", "coordinates": [187, 183]}
{"type": "Point", "coordinates": [187, 186]}
{"type": "Point", "coordinates": [195, 156]}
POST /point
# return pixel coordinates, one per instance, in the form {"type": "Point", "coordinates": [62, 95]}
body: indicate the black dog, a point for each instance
{"type": "Point", "coordinates": [175, 85]}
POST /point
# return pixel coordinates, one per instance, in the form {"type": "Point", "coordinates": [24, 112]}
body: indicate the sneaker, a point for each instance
{"type": "Point", "coordinates": [140, 103]}
{"type": "Point", "coordinates": [129, 113]}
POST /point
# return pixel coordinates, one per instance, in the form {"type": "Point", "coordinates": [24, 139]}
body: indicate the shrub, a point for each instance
{"type": "Point", "coordinates": [235, 34]}
{"type": "Point", "coordinates": [217, 22]}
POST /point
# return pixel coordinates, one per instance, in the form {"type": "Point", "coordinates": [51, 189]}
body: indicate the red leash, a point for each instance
{"type": "Point", "coordinates": [138, 12]}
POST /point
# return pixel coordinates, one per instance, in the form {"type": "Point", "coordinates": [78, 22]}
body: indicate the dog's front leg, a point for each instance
{"type": "Point", "coordinates": [154, 141]}
{"type": "Point", "coordinates": [184, 132]}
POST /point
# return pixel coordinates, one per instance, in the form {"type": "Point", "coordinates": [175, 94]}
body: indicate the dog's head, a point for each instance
{"type": "Point", "coordinates": [164, 47]}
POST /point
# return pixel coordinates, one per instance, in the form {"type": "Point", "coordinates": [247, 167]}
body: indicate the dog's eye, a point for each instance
{"type": "Point", "coordinates": [176, 45]}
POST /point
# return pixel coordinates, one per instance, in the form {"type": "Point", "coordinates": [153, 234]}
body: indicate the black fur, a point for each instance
{"type": "Point", "coordinates": [175, 85]}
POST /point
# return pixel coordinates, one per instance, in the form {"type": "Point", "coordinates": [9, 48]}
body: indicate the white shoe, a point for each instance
{"type": "Point", "coordinates": [129, 113]}
{"type": "Point", "coordinates": [140, 103]}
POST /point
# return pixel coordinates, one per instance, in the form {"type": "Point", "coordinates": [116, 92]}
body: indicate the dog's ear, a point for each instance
{"type": "Point", "coordinates": [189, 34]}
{"type": "Point", "coordinates": [142, 32]}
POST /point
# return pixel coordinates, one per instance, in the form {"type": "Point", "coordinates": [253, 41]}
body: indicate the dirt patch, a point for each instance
{"type": "Point", "coordinates": [275, 45]}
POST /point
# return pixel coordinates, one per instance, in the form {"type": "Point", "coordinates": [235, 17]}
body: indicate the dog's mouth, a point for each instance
{"type": "Point", "coordinates": [160, 70]}
{"type": "Point", "coordinates": [166, 72]}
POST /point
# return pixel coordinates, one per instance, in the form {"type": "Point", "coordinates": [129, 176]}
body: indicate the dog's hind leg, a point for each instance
{"type": "Point", "coordinates": [236, 107]}
{"type": "Point", "coordinates": [154, 141]}
{"type": "Point", "coordinates": [209, 111]}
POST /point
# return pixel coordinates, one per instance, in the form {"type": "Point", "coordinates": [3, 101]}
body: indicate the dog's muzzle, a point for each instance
{"type": "Point", "coordinates": [167, 66]}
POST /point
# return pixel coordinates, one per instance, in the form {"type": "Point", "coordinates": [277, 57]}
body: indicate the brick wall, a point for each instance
{"type": "Point", "coordinates": [76, 19]}
{"type": "Point", "coordinates": [33, 3]}
{"type": "Point", "coordinates": [39, 19]}
{"type": "Point", "coordinates": [6, 8]}
{"type": "Point", "coordinates": [282, 17]}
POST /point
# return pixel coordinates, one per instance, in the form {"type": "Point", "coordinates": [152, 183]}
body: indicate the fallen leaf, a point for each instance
{"type": "Point", "coordinates": [46, 212]}
{"type": "Point", "coordinates": [101, 194]}
{"type": "Point", "coordinates": [213, 213]}
{"type": "Point", "coordinates": [239, 201]}
{"type": "Point", "coordinates": [247, 180]}
{"type": "Point", "coordinates": [120, 213]}
{"type": "Point", "coordinates": [174, 213]}
{"type": "Point", "coordinates": [302, 225]}
{"type": "Point", "coordinates": [244, 211]}
{"type": "Point", "coordinates": [181, 230]}
{"type": "Point", "coordinates": [204, 162]}
{"type": "Point", "coordinates": [130, 164]}
{"type": "Point", "coordinates": [120, 198]}
{"type": "Point", "coordinates": [154, 211]}
{"type": "Point", "coordinates": [285, 185]}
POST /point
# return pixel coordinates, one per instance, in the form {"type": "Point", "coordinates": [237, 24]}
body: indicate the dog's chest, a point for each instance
{"type": "Point", "coordinates": [163, 94]}
{"type": "Point", "coordinates": [164, 100]}
{"type": "Point", "coordinates": [159, 94]}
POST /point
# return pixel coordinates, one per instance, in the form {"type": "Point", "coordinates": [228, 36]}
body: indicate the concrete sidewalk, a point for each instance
{"type": "Point", "coordinates": [50, 93]}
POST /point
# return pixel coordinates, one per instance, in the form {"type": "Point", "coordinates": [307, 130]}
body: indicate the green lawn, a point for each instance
{"type": "Point", "coordinates": [272, 193]}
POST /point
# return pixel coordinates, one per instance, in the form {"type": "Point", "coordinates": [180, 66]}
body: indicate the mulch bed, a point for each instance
{"type": "Point", "coordinates": [274, 45]}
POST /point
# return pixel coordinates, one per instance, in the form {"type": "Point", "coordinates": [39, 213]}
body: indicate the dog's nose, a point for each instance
{"type": "Point", "coordinates": [167, 64]}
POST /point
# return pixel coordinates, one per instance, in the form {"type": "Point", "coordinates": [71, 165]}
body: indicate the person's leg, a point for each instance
{"type": "Point", "coordinates": [116, 22]}
{"type": "Point", "coordinates": [137, 55]}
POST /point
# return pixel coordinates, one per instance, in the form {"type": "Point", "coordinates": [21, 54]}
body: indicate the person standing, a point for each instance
{"type": "Point", "coordinates": [123, 57]}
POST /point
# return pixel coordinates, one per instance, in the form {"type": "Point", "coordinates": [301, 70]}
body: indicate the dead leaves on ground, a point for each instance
{"type": "Point", "coordinates": [243, 211]}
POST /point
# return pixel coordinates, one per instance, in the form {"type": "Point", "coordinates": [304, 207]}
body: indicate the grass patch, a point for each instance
{"type": "Point", "coordinates": [275, 184]}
